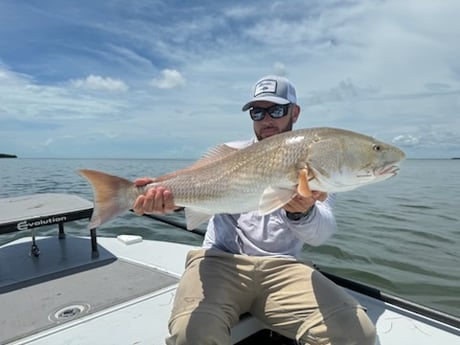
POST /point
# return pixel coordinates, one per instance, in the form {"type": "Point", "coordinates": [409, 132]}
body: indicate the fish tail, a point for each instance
{"type": "Point", "coordinates": [113, 196]}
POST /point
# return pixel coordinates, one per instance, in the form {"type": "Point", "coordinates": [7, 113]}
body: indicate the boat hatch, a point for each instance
{"type": "Point", "coordinates": [34, 211]}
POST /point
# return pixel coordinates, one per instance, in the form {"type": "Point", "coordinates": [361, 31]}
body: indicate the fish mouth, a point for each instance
{"type": "Point", "coordinates": [390, 169]}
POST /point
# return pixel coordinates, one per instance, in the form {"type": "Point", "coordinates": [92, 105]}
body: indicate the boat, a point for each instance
{"type": "Point", "coordinates": [66, 289]}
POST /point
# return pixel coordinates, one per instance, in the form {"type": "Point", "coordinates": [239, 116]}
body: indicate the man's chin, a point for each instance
{"type": "Point", "coordinates": [268, 132]}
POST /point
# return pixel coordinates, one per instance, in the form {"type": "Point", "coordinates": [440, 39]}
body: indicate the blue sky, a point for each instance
{"type": "Point", "coordinates": [148, 79]}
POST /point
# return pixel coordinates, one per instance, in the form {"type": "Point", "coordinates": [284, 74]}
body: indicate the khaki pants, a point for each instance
{"type": "Point", "coordinates": [289, 296]}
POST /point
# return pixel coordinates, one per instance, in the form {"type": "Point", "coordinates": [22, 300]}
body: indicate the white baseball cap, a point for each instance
{"type": "Point", "coordinates": [272, 88]}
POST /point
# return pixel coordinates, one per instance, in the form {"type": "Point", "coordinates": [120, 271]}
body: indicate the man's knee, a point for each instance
{"type": "Point", "coordinates": [350, 326]}
{"type": "Point", "coordinates": [198, 328]}
{"type": "Point", "coordinates": [363, 331]}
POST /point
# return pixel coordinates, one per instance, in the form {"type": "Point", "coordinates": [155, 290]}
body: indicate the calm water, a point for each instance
{"type": "Point", "coordinates": [402, 235]}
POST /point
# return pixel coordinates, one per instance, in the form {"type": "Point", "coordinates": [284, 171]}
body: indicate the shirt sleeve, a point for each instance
{"type": "Point", "coordinates": [318, 226]}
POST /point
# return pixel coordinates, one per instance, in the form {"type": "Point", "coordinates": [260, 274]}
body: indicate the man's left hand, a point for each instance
{"type": "Point", "coordinates": [302, 204]}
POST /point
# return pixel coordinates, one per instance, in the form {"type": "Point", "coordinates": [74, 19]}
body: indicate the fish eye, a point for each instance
{"type": "Point", "coordinates": [377, 147]}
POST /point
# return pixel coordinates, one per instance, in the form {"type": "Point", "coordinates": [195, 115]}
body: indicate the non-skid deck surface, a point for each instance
{"type": "Point", "coordinates": [58, 257]}
{"type": "Point", "coordinates": [40, 205]}
{"type": "Point", "coordinates": [32, 211]}
{"type": "Point", "coordinates": [56, 298]}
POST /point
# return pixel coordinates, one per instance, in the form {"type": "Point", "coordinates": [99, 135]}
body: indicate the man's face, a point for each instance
{"type": "Point", "coordinates": [269, 126]}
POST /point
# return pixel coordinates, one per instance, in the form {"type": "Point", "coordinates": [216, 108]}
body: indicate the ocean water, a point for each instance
{"type": "Point", "coordinates": [401, 236]}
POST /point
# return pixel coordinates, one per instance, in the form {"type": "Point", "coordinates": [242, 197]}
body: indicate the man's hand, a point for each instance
{"type": "Point", "coordinates": [156, 200]}
{"type": "Point", "coordinates": [302, 204]}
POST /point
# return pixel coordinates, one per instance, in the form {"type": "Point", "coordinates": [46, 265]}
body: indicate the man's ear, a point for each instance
{"type": "Point", "coordinates": [295, 113]}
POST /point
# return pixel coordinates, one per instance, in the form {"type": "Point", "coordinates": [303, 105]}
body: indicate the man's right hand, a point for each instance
{"type": "Point", "coordinates": [156, 200]}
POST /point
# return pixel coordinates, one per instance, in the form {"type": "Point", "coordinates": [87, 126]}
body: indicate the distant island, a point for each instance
{"type": "Point", "coordinates": [5, 155]}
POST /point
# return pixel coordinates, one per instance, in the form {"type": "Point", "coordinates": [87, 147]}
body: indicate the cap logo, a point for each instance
{"type": "Point", "coordinates": [265, 86]}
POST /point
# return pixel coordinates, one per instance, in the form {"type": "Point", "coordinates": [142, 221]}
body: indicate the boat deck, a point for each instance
{"type": "Point", "coordinates": [124, 295]}
{"type": "Point", "coordinates": [131, 287]}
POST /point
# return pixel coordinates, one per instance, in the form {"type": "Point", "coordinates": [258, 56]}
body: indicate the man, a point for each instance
{"type": "Point", "coordinates": [249, 263]}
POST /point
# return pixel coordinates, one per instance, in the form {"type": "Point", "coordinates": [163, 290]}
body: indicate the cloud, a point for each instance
{"type": "Point", "coordinates": [170, 78]}
{"type": "Point", "coordinates": [26, 103]}
{"type": "Point", "coordinates": [279, 68]}
{"type": "Point", "coordinates": [429, 136]}
{"type": "Point", "coordinates": [48, 142]}
{"type": "Point", "coordinates": [95, 82]}
{"type": "Point", "coordinates": [405, 140]}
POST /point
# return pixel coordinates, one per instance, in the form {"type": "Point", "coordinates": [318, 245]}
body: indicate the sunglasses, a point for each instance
{"type": "Point", "coordinates": [275, 111]}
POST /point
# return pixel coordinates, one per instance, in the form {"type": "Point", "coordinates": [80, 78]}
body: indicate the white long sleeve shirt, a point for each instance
{"type": "Point", "coordinates": [273, 234]}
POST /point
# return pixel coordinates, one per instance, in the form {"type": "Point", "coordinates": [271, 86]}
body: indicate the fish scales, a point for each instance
{"type": "Point", "coordinates": [243, 174]}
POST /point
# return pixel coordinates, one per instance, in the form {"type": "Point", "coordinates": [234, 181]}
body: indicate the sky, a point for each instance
{"type": "Point", "coordinates": [167, 79]}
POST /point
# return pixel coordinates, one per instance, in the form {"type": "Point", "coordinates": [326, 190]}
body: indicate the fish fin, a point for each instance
{"type": "Point", "coordinates": [302, 188]}
{"type": "Point", "coordinates": [274, 198]}
{"type": "Point", "coordinates": [110, 196]}
{"type": "Point", "coordinates": [218, 152]}
{"type": "Point", "coordinates": [212, 155]}
{"type": "Point", "coordinates": [194, 218]}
